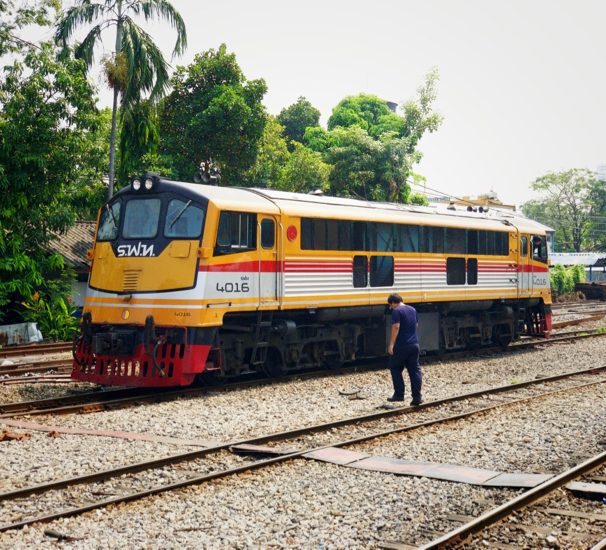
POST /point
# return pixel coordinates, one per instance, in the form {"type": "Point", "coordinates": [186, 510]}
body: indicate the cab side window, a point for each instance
{"type": "Point", "coordinates": [524, 241]}
{"type": "Point", "coordinates": [236, 233]}
{"type": "Point", "coordinates": [268, 233]}
{"type": "Point", "coordinates": [539, 249]}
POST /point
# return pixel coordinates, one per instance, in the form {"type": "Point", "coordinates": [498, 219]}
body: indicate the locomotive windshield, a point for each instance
{"type": "Point", "coordinates": [150, 217]}
{"type": "Point", "coordinates": [109, 221]}
{"type": "Point", "coordinates": [183, 220]}
{"type": "Point", "coordinates": [141, 218]}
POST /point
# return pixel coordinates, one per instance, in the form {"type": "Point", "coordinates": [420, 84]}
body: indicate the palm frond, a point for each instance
{"type": "Point", "coordinates": [164, 10]}
{"type": "Point", "coordinates": [148, 69]}
{"type": "Point", "coordinates": [85, 13]}
{"type": "Point", "coordinates": [86, 50]}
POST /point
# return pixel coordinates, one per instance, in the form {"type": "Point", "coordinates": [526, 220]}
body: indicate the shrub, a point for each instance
{"type": "Point", "coordinates": [563, 279]}
{"type": "Point", "coordinates": [54, 315]}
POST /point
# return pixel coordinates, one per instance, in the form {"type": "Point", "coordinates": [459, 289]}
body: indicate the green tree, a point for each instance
{"type": "Point", "coordinates": [354, 158]}
{"type": "Point", "coordinates": [273, 156]}
{"type": "Point", "coordinates": [571, 203]}
{"type": "Point", "coordinates": [304, 171]}
{"type": "Point", "coordinates": [372, 150]}
{"type": "Point", "coordinates": [367, 168]}
{"type": "Point", "coordinates": [213, 113]}
{"type": "Point", "coordinates": [51, 162]}
{"type": "Point", "coordinates": [367, 112]}
{"type": "Point", "coordinates": [139, 140]}
{"type": "Point", "coordinates": [296, 119]}
{"type": "Point", "coordinates": [137, 66]}
{"type": "Point", "coordinates": [15, 17]}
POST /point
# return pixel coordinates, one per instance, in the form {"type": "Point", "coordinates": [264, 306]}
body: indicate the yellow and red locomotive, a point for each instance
{"type": "Point", "coordinates": [189, 279]}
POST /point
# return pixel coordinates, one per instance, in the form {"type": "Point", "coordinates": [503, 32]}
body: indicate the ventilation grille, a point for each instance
{"type": "Point", "coordinates": [131, 280]}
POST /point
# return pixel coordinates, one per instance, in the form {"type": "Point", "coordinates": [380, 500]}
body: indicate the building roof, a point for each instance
{"type": "Point", "coordinates": [593, 259]}
{"type": "Point", "coordinates": [72, 246]}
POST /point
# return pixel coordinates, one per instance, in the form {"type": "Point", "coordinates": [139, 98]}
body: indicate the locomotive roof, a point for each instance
{"type": "Point", "coordinates": [271, 201]}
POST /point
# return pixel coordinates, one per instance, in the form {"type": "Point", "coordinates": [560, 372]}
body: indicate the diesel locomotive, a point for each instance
{"type": "Point", "coordinates": [190, 280]}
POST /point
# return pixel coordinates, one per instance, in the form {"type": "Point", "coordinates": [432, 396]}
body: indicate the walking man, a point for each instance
{"type": "Point", "coordinates": [404, 350]}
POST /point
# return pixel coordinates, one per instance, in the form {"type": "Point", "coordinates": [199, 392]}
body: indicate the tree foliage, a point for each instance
{"type": "Point", "coordinates": [299, 170]}
{"type": "Point", "coordinates": [367, 168]}
{"type": "Point", "coordinates": [273, 156]}
{"type": "Point", "coordinates": [296, 119]}
{"type": "Point", "coordinates": [139, 140]}
{"type": "Point", "coordinates": [14, 17]}
{"type": "Point", "coordinates": [213, 113]}
{"type": "Point", "coordinates": [572, 203]}
{"type": "Point", "coordinates": [372, 150]}
{"type": "Point", "coordinates": [51, 162]}
{"type": "Point", "coordinates": [367, 112]}
{"type": "Point", "coordinates": [304, 171]}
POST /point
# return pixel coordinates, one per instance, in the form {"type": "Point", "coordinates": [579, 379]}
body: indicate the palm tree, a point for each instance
{"type": "Point", "coordinates": [137, 66]}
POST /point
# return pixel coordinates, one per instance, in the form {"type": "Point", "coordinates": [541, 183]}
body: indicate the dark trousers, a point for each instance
{"type": "Point", "coordinates": [406, 356]}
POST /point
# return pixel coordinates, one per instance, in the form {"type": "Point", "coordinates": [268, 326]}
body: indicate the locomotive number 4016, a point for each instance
{"type": "Point", "coordinates": [233, 287]}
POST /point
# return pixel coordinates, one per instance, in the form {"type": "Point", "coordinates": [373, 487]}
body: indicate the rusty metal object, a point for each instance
{"type": "Point", "coordinates": [55, 431]}
{"type": "Point", "coordinates": [9, 436]}
{"type": "Point", "coordinates": [562, 324]}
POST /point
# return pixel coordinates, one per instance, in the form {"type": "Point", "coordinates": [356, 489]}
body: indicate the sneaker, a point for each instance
{"type": "Point", "coordinates": [395, 398]}
{"type": "Point", "coordinates": [416, 402]}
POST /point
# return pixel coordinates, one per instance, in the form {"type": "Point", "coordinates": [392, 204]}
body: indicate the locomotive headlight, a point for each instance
{"type": "Point", "coordinates": [149, 183]}
{"type": "Point", "coordinates": [136, 184]}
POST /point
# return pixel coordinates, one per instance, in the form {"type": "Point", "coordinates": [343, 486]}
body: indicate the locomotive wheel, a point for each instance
{"type": "Point", "coordinates": [211, 378]}
{"type": "Point", "coordinates": [331, 358]}
{"type": "Point", "coordinates": [502, 337]}
{"type": "Point", "coordinates": [274, 366]}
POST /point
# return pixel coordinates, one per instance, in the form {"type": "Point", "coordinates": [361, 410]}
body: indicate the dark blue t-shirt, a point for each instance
{"type": "Point", "coordinates": [407, 317]}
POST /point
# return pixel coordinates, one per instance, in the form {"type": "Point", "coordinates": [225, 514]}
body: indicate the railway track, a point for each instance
{"type": "Point", "coordinates": [85, 492]}
{"type": "Point", "coordinates": [572, 499]}
{"type": "Point", "coordinates": [35, 349]}
{"type": "Point", "coordinates": [19, 369]}
{"type": "Point", "coordinates": [95, 401]}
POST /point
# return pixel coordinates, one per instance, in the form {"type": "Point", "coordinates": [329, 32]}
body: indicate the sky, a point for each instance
{"type": "Point", "coordinates": [522, 82]}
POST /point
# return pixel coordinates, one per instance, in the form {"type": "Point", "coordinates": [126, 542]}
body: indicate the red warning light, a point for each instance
{"type": "Point", "coordinates": [291, 233]}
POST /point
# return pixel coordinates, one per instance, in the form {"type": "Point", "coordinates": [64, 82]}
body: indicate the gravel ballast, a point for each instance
{"type": "Point", "coordinates": [306, 504]}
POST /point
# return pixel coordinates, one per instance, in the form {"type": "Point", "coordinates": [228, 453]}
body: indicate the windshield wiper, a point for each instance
{"type": "Point", "coordinates": [179, 214]}
{"type": "Point", "coordinates": [111, 213]}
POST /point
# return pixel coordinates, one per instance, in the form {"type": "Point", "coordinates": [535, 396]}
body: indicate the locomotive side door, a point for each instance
{"type": "Point", "coordinates": [268, 259]}
{"type": "Point", "coordinates": [525, 279]}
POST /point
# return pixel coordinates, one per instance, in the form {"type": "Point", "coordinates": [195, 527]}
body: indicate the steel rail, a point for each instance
{"type": "Point", "coordinates": [82, 403]}
{"type": "Point", "coordinates": [53, 363]}
{"type": "Point", "coordinates": [289, 434]}
{"type": "Point", "coordinates": [38, 368]}
{"type": "Point", "coordinates": [521, 501]}
{"type": "Point", "coordinates": [35, 349]}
